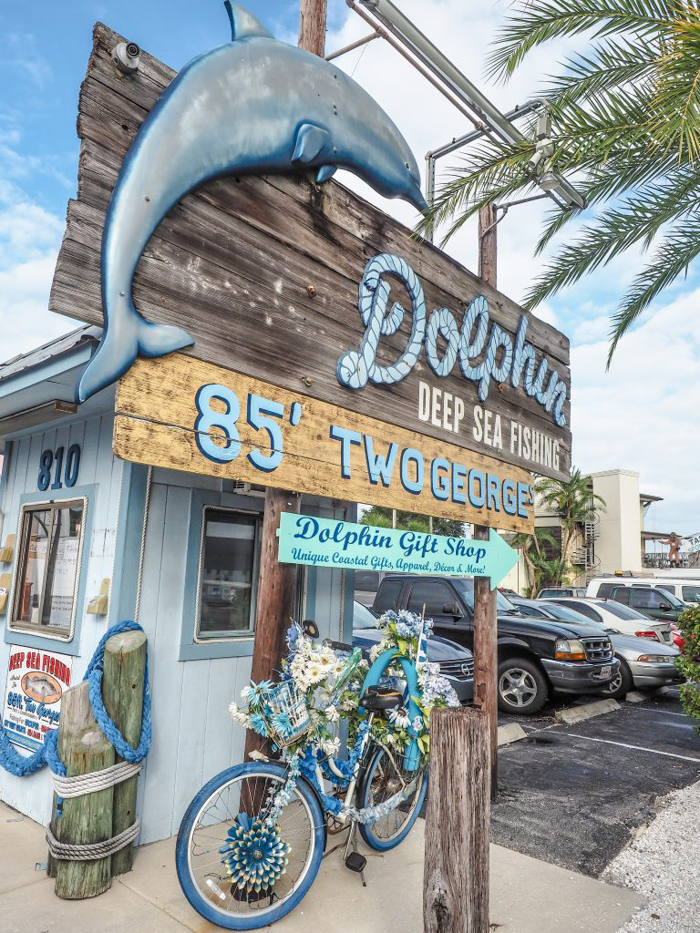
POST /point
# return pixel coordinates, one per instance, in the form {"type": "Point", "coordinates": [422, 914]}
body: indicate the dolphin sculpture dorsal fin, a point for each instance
{"type": "Point", "coordinates": [243, 24]}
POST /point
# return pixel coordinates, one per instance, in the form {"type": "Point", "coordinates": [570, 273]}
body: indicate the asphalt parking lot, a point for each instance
{"type": "Point", "coordinates": [574, 795]}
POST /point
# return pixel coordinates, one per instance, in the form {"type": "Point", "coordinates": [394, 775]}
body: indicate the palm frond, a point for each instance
{"type": "Point", "coordinates": [672, 258]}
{"type": "Point", "coordinates": [532, 24]}
{"type": "Point", "coordinates": [638, 218]}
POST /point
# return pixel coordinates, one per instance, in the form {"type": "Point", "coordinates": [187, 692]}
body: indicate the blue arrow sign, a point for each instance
{"type": "Point", "coordinates": [325, 542]}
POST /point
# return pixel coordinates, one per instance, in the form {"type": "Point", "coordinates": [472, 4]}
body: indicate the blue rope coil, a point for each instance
{"type": "Point", "coordinates": [20, 766]}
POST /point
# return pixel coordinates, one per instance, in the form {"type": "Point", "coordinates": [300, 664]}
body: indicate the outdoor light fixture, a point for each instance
{"type": "Point", "coordinates": [490, 120]}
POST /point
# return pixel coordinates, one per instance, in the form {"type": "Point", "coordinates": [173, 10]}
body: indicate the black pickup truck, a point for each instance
{"type": "Point", "coordinates": [534, 657]}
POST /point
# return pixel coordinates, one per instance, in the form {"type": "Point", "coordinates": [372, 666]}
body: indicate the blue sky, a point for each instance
{"type": "Point", "coordinates": [640, 416]}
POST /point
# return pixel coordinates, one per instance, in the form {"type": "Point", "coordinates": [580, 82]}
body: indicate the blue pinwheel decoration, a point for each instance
{"type": "Point", "coordinates": [255, 856]}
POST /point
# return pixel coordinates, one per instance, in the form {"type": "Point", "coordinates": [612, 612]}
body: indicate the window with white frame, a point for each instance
{"type": "Point", "coordinates": [48, 568]}
{"type": "Point", "coordinates": [228, 574]}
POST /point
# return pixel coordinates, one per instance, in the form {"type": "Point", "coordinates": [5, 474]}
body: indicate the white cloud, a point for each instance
{"type": "Point", "coordinates": [643, 414]}
{"type": "Point", "coordinates": [23, 54]}
{"type": "Point", "coordinates": [29, 240]}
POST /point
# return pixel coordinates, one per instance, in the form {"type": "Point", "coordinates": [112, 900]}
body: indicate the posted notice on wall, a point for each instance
{"type": "Point", "coordinates": [36, 680]}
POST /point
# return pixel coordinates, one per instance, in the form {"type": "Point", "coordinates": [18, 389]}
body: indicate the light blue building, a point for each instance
{"type": "Point", "coordinates": [98, 540]}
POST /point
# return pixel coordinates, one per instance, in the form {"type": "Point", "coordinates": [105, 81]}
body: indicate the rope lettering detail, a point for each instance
{"type": "Point", "coordinates": [485, 350]}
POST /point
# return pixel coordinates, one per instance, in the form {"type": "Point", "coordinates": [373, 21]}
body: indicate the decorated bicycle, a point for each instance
{"type": "Point", "coordinates": [251, 842]}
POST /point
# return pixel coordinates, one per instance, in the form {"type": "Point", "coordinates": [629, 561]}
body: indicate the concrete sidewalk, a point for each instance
{"type": "Point", "coordinates": [527, 896]}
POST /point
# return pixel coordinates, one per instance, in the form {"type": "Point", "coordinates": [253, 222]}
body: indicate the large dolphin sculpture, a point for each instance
{"type": "Point", "coordinates": [252, 106]}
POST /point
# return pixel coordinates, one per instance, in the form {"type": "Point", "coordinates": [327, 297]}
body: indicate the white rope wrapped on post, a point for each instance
{"type": "Point", "coordinates": [89, 851]}
{"type": "Point", "coordinates": [80, 784]}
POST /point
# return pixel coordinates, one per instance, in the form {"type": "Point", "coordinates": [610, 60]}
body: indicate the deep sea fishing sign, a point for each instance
{"type": "Point", "coordinates": [223, 237]}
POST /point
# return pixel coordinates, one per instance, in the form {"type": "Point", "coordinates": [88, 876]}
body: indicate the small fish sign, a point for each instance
{"type": "Point", "coordinates": [36, 682]}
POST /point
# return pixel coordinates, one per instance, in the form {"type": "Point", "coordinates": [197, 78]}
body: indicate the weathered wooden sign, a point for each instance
{"type": "Point", "coordinates": [314, 291]}
{"type": "Point", "coordinates": [194, 416]}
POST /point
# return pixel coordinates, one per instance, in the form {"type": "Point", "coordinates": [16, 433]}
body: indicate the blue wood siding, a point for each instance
{"type": "Point", "coordinates": [194, 735]}
{"type": "Point", "coordinates": [102, 473]}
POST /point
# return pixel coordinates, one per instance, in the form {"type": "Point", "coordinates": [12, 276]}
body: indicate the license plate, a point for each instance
{"type": "Point", "coordinates": [605, 671]}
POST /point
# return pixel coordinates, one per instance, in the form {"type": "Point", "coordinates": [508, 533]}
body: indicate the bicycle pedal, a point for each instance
{"type": "Point", "coordinates": [356, 862]}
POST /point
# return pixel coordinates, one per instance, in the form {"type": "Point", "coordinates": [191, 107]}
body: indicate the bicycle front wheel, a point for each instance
{"type": "Point", "coordinates": [382, 779]}
{"type": "Point", "coordinates": [237, 798]}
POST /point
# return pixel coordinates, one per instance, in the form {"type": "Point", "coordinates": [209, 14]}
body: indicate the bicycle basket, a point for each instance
{"type": "Point", "coordinates": [285, 714]}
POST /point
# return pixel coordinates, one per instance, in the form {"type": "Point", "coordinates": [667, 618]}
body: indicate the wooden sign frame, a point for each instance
{"type": "Point", "coordinates": [188, 415]}
{"type": "Point", "coordinates": [275, 278]}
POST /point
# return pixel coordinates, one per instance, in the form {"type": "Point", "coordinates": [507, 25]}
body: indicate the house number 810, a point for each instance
{"type": "Point", "coordinates": [69, 475]}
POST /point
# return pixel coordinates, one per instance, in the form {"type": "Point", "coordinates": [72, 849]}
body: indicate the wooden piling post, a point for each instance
{"type": "Point", "coordinates": [456, 873]}
{"type": "Point", "coordinates": [122, 693]}
{"type": "Point", "coordinates": [83, 749]}
{"type": "Point", "coordinates": [312, 26]}
{"type": "Point", "coordinates": [485, 610]}
{"type": "Point", "coordinates": [275, 603]}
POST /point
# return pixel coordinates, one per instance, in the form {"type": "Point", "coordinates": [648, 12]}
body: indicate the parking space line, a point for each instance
{"type": "Point", "coordinates": [660, 712]}
{"type": "Point", "coordinates": [638, 748]}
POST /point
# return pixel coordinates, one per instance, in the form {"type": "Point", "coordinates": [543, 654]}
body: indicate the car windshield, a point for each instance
{"type": "Point", "coordinates": [623, 612]}
{"type": "Point", "coordinates": [466, 591]}
{"type": "Point", "coordinates": [362, 616]}
{"type": "Point", "coordinates": [566, 615]}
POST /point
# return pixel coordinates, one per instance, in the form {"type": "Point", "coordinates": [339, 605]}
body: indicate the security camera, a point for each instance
{"type": "Point", "coordinates": [126, 56]}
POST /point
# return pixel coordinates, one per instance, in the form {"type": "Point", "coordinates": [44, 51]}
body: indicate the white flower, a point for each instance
{"type": "Point", "coordinates": [257, 756]}
{"type": "Point", "coordinates": [330, 746]}
{"type": "Point", "coordinates": [245, 693]}
{"type": "Point", "coordinates": [239, 715]}
{"type": "Point", "coordinates": [400, 718]}
{"type": "Point", "coordinates": [375, 651]}
{"type": "Point", "coordinates": [332, 713]}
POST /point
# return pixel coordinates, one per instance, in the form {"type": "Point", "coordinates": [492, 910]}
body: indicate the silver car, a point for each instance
{"type": "Point", "coordinates": [644, 663]}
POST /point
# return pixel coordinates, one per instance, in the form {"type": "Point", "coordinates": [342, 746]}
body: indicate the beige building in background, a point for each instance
{"type": "Point", "coordinates": [615, 540]}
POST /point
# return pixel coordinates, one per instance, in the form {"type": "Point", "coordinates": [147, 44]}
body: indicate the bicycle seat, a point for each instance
{"type": "Point", "coordinates": [380, 698]}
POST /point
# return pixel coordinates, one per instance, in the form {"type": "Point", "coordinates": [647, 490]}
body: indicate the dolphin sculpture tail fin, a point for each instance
{"type": "Point", "coordinates": [122, 342]}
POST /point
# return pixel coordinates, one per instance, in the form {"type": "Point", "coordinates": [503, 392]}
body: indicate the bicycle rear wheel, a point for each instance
{"type": "Point", "coordinates": [237, 797]}
{"type": "Point", "coordinates": [380, 781]}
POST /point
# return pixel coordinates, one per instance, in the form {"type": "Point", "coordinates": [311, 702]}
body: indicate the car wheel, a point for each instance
{"type": "Point", "coordinates": [621, 684]}
{"type": "Point", "coordinates": [522, 687]}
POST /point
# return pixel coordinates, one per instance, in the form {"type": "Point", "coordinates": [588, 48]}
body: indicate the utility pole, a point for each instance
{"type": "Point", "coordinates": [485, 623]}
{"type": "Point", "coordinates": [312, 26]}
{"type": "Point", "coordinates": [277, 582]}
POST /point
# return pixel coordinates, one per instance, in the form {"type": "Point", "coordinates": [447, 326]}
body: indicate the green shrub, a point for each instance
{"type": "Point", "coordinates": [688, 663]}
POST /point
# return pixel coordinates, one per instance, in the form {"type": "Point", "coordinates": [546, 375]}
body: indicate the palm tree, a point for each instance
{"type": "Point", "coordinates": [545, 565]}
{"type": "Point", "coordinates": [625, 120]}
{"type": "Point", "coordinates": [573, 501]}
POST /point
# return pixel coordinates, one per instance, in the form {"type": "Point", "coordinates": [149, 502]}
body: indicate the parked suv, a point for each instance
{"type": "Point", "coordinates": [686, 589]}
{"type": "Point", "coordinates": [534, 656]}
{"type": "Point", "coordinates": [657, 604]}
